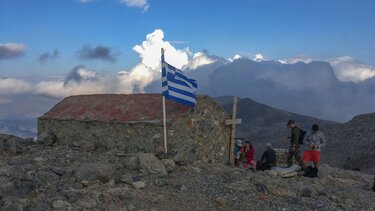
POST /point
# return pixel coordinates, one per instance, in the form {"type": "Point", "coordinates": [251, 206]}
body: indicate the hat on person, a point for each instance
{"type": "Point", "coordinates": [315, 127]}
{"type": "Point", "coordinates": [290, 122]}
{"type": "Point", "coordinates": [239, 142]}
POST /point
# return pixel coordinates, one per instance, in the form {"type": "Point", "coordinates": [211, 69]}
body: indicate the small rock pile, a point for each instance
{"type": "Point", "coordinates": [10, 144]}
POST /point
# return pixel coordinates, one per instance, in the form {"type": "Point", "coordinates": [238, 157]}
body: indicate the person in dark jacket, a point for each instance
{"type": "Point", "coordinates": [294, 144]}
{"type": "Point", "coordinates": [373, 187]}
{"type": "Point", "coordinates": [268, 159]}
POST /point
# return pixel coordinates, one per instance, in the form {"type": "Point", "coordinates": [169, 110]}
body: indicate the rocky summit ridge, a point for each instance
{"type": "Point", "coordinates": [38, 177]}
{"type": "Point", "coordinates": [352, 145]}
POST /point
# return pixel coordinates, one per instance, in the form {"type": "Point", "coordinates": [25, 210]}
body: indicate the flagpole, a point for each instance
{"type": "Point", "coordinates": [165, 126]}
{"type": "Point", "coordinates": [164, 111]}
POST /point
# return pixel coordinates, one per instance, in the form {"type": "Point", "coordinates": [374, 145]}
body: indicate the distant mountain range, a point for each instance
{"type": "Point", "coordinates": [25, 128]}
{"type": "Point", "coordinates": [262, 123]}
{"type": "Point", "coordinates": [18, 115]}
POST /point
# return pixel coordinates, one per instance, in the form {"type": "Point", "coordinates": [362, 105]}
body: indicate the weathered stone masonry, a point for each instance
{"type": "Point", "coordinates": [133, 123]}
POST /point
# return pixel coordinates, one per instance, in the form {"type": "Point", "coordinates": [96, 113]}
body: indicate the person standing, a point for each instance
{"type": "Point", "coordinates": [315, 140]}
{"type": "Point", "coordinates": [237, 151]}
{"type": "Point", "coordinates": [294, 144]}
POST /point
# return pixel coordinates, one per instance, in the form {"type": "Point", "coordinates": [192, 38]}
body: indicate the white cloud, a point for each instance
{"type": "Point", "coordinates": [349, 69]}
{"type": "Point", "coordinates": [61, 89]}
{"type": "Point", "coordinates": [237, 56]}
{"type": "Point", "coordinates": [80, 73]}
{"type": "Point", "coordinates": [85, 81]}
{"type": "Point", "coordinates": [150, 51]}
{"type": "Point", "coordinates": [311, 89]}
{"type": "Point", "coordinates": [11, 50]}
{"type": "Point", "coordinates": [149, 68]}
{"type": "Point", "coordinates": [86, 74]}
{"type": "Point", "coordinates": [296, 59]}
{"type": "Point", "coordinates": [136, 3]}
{"type": "Point", "coordinates": [259, 57]}
{"type": "Point", "coordinates": [199, 59]}
{"type": "Point", "coordinates": [345, 67]}
{"type": "Point", "coordinates": [9, 86]}
{"type": "Point", "coordinates": [85, 1]}
{"type": "Point", "coordinates": [135, 80]}
{"type": "Point", "coordinates": [79, 81]}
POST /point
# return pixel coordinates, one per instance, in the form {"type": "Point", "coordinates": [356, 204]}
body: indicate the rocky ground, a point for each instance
{"type": "Point", "coordinates": [37, 177]}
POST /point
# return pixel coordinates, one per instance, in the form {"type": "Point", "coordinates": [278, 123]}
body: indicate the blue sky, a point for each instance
{"type": "Point", "coordinates": [58, 48]}
{"type": "Point", "coordinates": [276, 28]}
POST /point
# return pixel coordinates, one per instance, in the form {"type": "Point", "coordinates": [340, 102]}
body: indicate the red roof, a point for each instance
{"type": "Point", "coordinates": [119, 108]}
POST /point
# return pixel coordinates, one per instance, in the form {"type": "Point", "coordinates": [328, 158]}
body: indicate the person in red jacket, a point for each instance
{"type": "Point", "coordinates": [248, 150]}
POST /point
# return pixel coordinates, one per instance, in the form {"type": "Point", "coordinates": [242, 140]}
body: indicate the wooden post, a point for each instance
{"type": "Point", "coordinates": [233, 131]}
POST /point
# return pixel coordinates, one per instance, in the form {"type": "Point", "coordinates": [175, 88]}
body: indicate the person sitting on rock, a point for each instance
{"type": "Point", "coordinates": [248, 150]}
{"type": "Point", "coordinates": [268, 159]}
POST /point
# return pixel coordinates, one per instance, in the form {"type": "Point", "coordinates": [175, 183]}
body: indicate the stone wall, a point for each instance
{"type": "Point", "coordinates": [135, 137]}
{"type": "Point", "coordinates": [200, 134]}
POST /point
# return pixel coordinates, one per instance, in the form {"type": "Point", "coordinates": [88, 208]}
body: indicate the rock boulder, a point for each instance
{"type": "Point", "coordinates": [150, 164]}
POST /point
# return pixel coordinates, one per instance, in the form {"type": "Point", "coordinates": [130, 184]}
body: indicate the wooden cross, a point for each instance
{"type": "Point", "coordinates": [232, 122]}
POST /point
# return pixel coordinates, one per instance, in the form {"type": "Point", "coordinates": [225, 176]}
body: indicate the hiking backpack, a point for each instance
{"type": "Point", "coordinates": [302, 134]}
{"type": "Point", "coordinates": [311, 172]}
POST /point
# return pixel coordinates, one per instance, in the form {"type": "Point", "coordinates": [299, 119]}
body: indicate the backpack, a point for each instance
{"type": "Point", "coordinates": [302, 134]}
{"type": "Point", "coordinates": [311, 172]}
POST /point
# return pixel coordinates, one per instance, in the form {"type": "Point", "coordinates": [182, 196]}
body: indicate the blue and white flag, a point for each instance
{"type": "Point", "coordinates": [176, 86]}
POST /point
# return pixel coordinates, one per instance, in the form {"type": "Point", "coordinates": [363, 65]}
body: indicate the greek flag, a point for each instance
{"type": "Point", "coordinates": [176, 86]}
